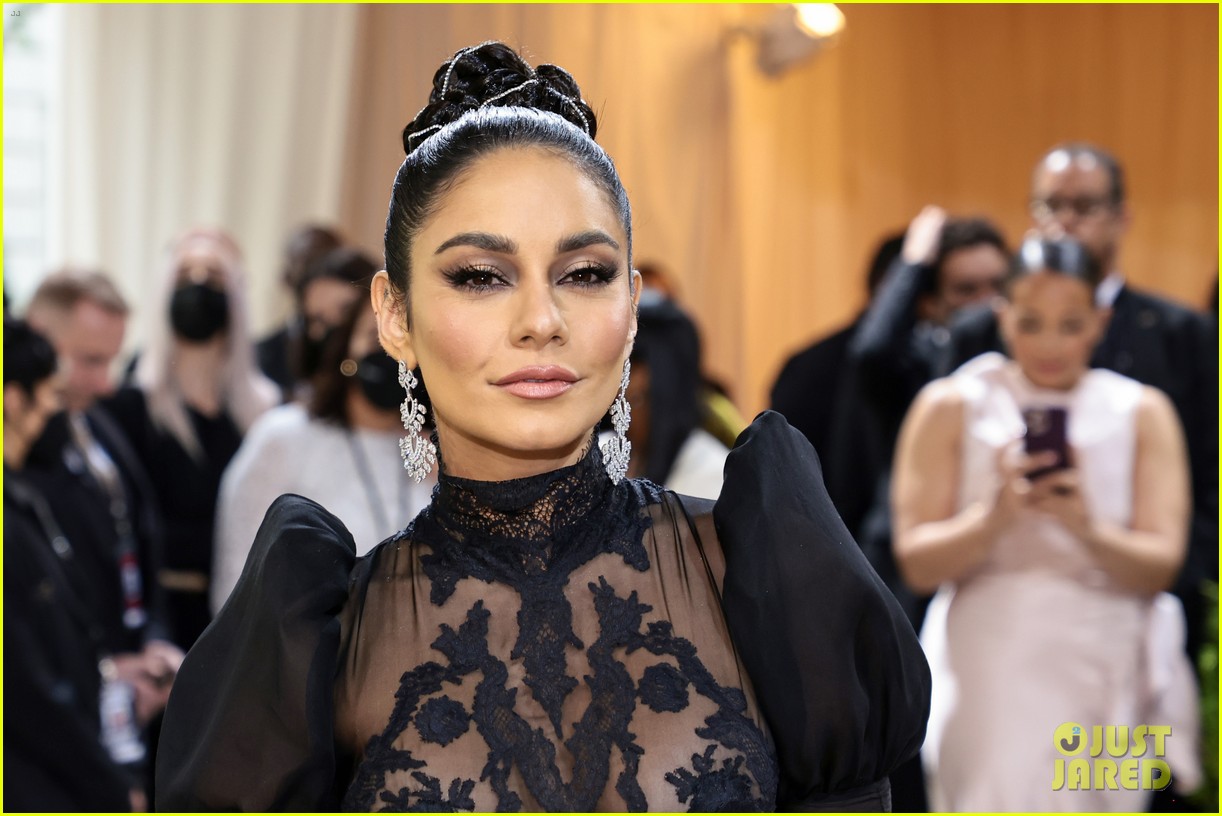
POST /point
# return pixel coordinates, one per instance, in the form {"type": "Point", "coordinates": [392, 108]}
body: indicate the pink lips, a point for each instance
{"type": "Point", "coordinates": [538, 382]}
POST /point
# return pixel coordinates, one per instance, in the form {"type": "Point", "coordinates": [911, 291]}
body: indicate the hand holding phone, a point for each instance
{"type": "Point", "coordinates": [1047, 432]}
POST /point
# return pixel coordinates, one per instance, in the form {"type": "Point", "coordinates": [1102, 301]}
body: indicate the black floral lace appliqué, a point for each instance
{"type": "Point", "coordinates": [531, 534]}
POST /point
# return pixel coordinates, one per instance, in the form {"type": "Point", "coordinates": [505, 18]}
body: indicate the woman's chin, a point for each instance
{"type": "Point", "coordinates": [1053, 380]}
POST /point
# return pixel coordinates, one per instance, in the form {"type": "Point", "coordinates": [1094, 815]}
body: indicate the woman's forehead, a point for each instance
{"type": "Point", "coordinates": [1050, 287]}
{"type": "Point", "coordinates": [525, 188]}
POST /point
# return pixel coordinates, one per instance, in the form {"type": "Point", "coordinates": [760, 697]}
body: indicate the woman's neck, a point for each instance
{"type": "Point", "coordinates": [202, 389]}
{"type": "Point", "coordinates": [1063, 386]}
{"type": "Point", "coordinates": [365, 415]}
{"type": "Point", "coordinates": [467, 458]}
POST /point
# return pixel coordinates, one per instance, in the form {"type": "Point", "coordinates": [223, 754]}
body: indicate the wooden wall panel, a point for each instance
{"type": "Point", "coordinates": [765, 197]}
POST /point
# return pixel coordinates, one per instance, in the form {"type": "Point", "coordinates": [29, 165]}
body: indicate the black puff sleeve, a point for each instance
{"type": "Point", "coordinates": [250, 721]}
{"type": "Point", "coordinates": [836, 666]}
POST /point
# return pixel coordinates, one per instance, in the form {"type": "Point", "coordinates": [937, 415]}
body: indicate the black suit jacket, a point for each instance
{"type": "Point", "coordinates": [53, 757]}
{"type": "Point", "coordinates": [82, 509]}
{"type": "Point", "coordinates": [1175, 349]}
{"type": "Point", "coordinates": [816, 393]}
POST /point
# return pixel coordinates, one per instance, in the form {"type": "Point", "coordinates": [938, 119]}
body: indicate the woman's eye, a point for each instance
{"type": "Point", "coordinates": [1028, 326]}
{"type": "Point", "coordinates": [594, 275]}
{"type": "Point", "coordinates": [475, 278]}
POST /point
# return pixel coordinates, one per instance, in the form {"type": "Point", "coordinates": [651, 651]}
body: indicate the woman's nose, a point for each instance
{"type": "Point", "coordinates": [538, 317]}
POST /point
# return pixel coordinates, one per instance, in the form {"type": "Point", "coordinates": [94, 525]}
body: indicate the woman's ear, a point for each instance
{"type": "Point", "coordinates": [635, 284]}
{"type": "Point", "coordinates": [391, 312]}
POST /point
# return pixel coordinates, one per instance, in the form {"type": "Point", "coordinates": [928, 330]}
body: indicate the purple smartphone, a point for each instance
{"type": "Point", "coordinates": [1047, 430]}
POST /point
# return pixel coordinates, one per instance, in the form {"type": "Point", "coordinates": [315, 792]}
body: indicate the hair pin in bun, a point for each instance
{"type": "Point", "coordinates": [415, 140]}
{"type": "Point", "coordinates": [445, 83]}
{"type": "Point", "coordinates": [568, 100]}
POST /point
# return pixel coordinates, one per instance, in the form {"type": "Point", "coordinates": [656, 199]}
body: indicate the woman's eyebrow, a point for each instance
{"type": "Point", "coordinates": [479, 240]}
{"type": "Point", "coordinates": [583, 239]}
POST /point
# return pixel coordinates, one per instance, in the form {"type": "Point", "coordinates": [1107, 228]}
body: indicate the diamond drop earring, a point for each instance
{"type": "Point", "coordinates": [616, 450]}
{"type": "Point", "coordinates": [419, 454]}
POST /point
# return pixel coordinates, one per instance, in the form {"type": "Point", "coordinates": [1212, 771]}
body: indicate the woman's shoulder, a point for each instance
{"type": "Point", "coordinates": [1117, 389]}
{"type": "Point", "coordinates": [300, 535]}
{"type": "Point", "coordinates": [830, 652]}
{"type": "Point", "coordinates": [265, 666]}
{"type": "Point", "coordinates": [1156, 416]}
{"type": "Point", "coordinates": [289, 423]}
{"type": "Point", "coordinates": [941, 403]}
{"type": "Point", "coordinates": [972, 379]}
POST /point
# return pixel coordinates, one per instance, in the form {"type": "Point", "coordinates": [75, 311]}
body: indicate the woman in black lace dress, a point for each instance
{"type": "Point", "coordinates": [546, 635]}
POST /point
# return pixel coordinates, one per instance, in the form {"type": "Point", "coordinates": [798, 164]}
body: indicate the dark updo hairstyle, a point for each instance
{"type": "Point", "coordinates": [486, 98]}
{"type": "Point", "coordinates": [29, 358]}
{"type": "Point", "coordinates": [1064, 256]}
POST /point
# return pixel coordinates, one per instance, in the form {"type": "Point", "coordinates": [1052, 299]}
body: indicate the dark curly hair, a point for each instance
{"type": "Point", "coordinates": [486, 98]}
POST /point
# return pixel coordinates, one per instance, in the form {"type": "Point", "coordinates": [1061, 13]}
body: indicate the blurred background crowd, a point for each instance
{"type": "Point", "coordinates": [194, 199]}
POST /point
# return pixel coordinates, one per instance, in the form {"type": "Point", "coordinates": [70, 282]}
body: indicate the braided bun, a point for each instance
{"type": "Point", "coordinates": [484, 99]}
{"type": "Point", "coordinates": [492, 73]}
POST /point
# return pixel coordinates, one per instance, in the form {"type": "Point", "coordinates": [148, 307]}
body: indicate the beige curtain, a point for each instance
{"type": "Point", "coordinates": [765, 198]}
{"type": "Point", "coordinates": [174, 116]}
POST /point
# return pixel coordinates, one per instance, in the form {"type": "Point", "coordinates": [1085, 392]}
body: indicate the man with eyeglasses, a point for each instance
{"type": "Point", "coordinates": [1078, 189]}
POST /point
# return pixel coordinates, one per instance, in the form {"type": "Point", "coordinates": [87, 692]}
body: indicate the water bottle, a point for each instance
{"type": "Point", "coordinates": [120, 734]}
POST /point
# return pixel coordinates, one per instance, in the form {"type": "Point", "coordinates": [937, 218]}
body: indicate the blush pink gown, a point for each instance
{"type": "Point", "coordinates": [1040, 634]}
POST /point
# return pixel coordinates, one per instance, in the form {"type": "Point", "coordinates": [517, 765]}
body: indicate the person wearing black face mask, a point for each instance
{"type": "Point", "coordinates": [196, 392]}
{"type": "Point", "coordinates": [198, 312]}
{"type": "Point", "coordinates": [340, 450]}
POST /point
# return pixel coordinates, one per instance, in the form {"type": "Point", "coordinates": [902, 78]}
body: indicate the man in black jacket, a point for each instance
{"type": "Point", "coordinates": [53, 743]}
{"type": "Point", "coordinates": [946, 265]}
{"type": "Point", "coordinates": [1078, 189]}
{"type": "Point", "coordinates": [84, 470]}
{"type": "Point", "coordinates": [816, 394]}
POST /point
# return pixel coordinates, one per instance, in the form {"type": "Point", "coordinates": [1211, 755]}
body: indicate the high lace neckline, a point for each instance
{"type": "Point", "coordinates": [531, 510]}
{"type": "Point", "coordinates": [534, 530]}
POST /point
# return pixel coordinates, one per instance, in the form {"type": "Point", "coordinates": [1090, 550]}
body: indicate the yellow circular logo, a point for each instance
{"type": "Point", "coordinates": [1069, 738]}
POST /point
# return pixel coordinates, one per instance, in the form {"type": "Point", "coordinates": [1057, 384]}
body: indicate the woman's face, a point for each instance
{"type": "Point", "coordinates": [521, 313]}
{"type": "Point", "coordinates": [1051, 326]}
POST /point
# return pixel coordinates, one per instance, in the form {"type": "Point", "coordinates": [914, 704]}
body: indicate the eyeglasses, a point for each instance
{"type": "Point", "coordinates": [1045, 209]}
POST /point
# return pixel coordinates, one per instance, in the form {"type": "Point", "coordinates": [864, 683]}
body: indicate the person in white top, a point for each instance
{"type": "Point", "coordinates": [1050, 571]}
{"type": "Point", "coordinates": [340, 451]}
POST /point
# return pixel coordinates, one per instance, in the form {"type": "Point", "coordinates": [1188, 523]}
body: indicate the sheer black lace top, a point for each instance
{"type": "Point", "coordinates": [557, 643]}
{"type": "Point", "coordinates": [550, 643]}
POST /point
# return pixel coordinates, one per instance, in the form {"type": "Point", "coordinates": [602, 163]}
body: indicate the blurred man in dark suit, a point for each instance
{"type": "Point", "coordinates": [99, 496]}
{"type": "Point", "coordinates": [815, 394]}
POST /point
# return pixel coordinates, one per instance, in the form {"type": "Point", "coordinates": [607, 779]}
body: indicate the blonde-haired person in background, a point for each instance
{"type": "Point", "coordinates": [196, 390]}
